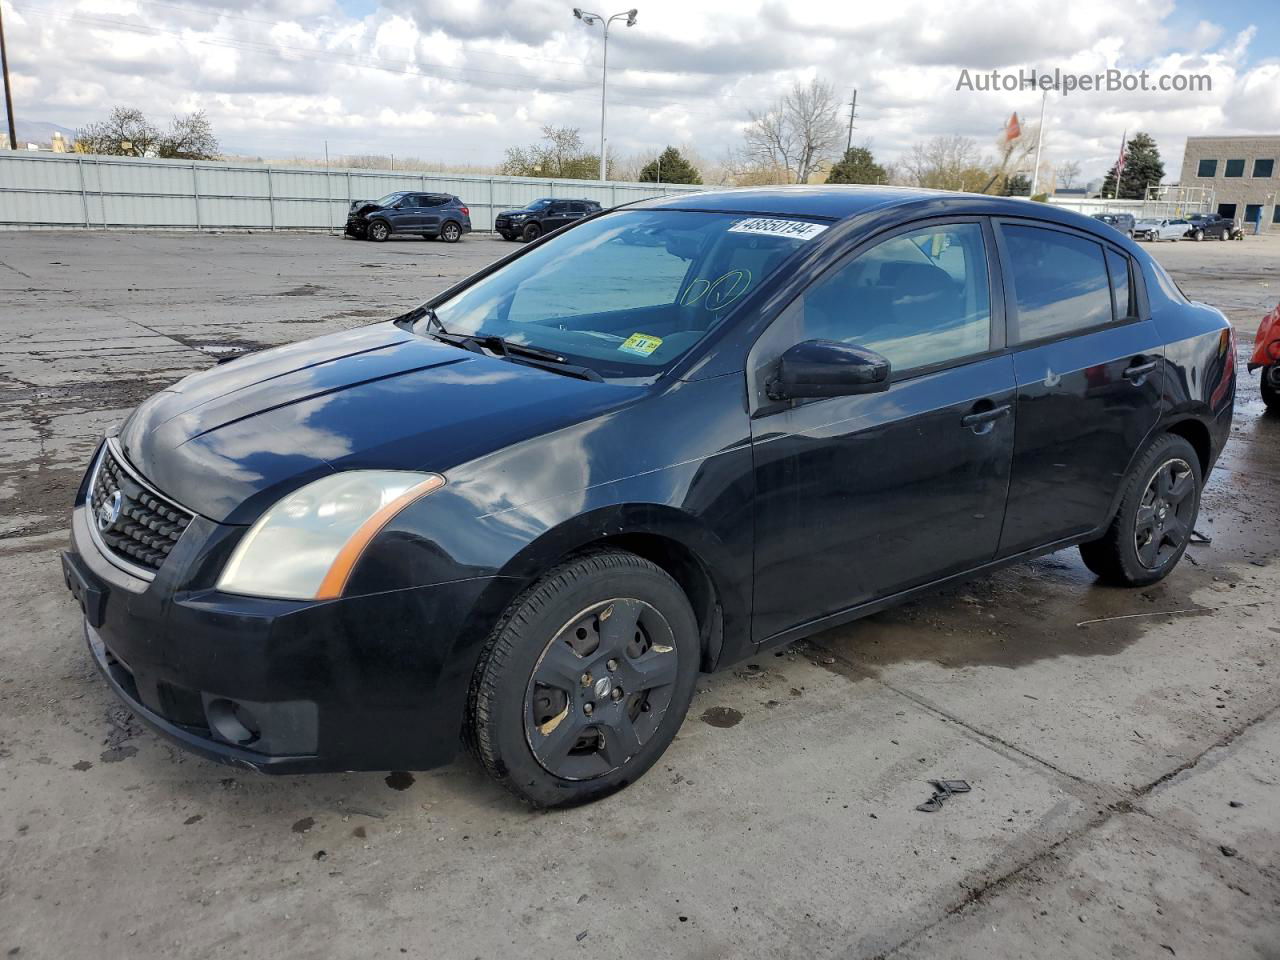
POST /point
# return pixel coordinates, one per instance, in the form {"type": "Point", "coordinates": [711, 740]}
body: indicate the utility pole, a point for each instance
{"type": "Point", "coordinates": [8, 96]}
{"type": "Point", "coordinates": [853, 112]}
{"type": "Point", "coordinates": [1035, 174]}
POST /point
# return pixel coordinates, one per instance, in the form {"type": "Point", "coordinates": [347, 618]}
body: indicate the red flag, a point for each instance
{"type": "Point", "coordinates": [1012, 129]}
{"type": "Point", "coordinates": [1124, 138]}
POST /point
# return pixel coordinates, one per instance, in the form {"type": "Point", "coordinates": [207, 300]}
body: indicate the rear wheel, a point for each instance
{"type": "Point", "coordinates": [450, 232]}
{"type": "Point", "coordinates": [1158, 511]}
{"type": "Point", "coordinates": [378, 231]}
{"type": "Point", "coordinates": [1271, 387]}
{"type": "Point", "coordinates": [531, 232]}
{"type": "Point", "coordinates": [1224, 235]}
{"type": "Point", "coordinates": [585, 680]}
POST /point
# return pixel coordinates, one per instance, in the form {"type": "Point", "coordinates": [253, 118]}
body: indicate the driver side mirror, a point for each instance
{"type": "Point", "coordinates": [828, 368]}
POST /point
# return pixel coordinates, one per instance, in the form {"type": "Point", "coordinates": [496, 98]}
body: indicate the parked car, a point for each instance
{"type": "Point", "coordinates": [1123, 222]}
{"type": "Point", "coordinates": [1266, 357]}
{"type": "Point", "coordinates": [542, 216]}
{"type": "Point", "coordinates": [1209, 226]}
{"type": "Point", "coordinates": [429, 215]}
{"type": "Point", "coordinates": [614, 464]}
{"type": "Point", "coordinates": [1155, 229]}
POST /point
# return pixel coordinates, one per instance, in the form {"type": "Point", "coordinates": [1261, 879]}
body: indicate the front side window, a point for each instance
{"type": "Point", "coordinates": [920, 298]}
{"type": "Point", "coordinates": [1060, 282]}
{"type": "Point", "coordinates": [1235, 168]}
{"type": "Point", "coordinates": [628, 293]}
{"type": "Point", "coordinates": [1207, 168]}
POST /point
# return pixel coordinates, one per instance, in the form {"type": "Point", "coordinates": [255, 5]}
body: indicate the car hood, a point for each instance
{"type": "Point", "coordinates": [362, 208]}
{"type": "Point", "coordinates": [230, 441]}
{"type": "Point", "coordinates": [510, 213]}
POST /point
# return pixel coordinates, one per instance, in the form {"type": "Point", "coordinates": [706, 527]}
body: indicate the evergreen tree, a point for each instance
{"type": "Point", "coordinates": [1017, 185]}
{"type": "Point", "coordinates": [1142, 166]}
{"type": "Point", "coordinates": [857, 166]}
{"type": "Point", "coordinates": [670, 167]}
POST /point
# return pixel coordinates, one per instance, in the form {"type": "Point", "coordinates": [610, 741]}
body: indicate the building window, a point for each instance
{"type": "Point", "coordinates": [1264, 168]}
{"type": "Point", "coordinates": [1207, 168]}
{"type": "Point", "coordinates": [1275, 213]}
{"type": "Point", "coordinates": [1235, 168]}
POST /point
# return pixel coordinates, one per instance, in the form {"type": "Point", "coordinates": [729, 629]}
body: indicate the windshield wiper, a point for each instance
{"type": "Point", "coordinates": [519, 352]}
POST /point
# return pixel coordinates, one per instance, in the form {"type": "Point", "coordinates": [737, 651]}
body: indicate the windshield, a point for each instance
{"type": "Point", "coordinates": [627, 294]}
{"type": "Point", "coordinates": [538, 204]}
{"type": "Point", "coordinates": [389, 199]}
{"type": "Point", "coordinates": [1149, 222]}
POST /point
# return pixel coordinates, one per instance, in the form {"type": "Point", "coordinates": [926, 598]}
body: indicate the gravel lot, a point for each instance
{"type": "Point", "coordinates": [1125, 771]}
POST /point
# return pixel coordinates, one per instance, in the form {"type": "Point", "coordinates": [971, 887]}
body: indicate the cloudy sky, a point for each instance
{"type": "Point", "coordinates": [459, 80]}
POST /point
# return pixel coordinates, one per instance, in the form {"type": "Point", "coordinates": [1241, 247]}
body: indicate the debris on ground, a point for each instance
{"type": "Point", "coordinates": [943, 790]}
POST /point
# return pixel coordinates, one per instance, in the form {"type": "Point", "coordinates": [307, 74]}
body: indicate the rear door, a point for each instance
{"type": "Point", "coordinates": [1088, 364]}
{"type": "Point", "coordinates": [858, 498]}
{"type": "Point", "coordinates": [431, 209]}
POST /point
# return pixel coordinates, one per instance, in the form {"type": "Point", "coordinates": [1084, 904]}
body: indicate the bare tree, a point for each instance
{"type": "Point", "coordinates": [945, 163]}
{"type": "Point", "coordinates": [1068, 172]}
{"type": "Point", "coordinates": [125, 133]}
{"type": "Point", "coordinates": [799, 134]}
{"type": "Point", "coordinates": [560, 155]}
{"type": "Point", "coordinates": [189, 138]}
{"type": "Point", "coordinates": [1012, 156]}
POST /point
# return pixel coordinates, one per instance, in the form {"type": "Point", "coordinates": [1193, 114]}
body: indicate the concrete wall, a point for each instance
{"type": "Point", "coordinates": [42, 190]}
{"type": "Point", "coordinates": [1241, 191]}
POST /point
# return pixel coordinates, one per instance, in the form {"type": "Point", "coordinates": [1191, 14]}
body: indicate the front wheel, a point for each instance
{"type": "Point", "coordinates": [1158, 511]}
{"type": "Point", "coordinates": [378, 231]}
{"type": "Point", "coordinates": [1224, 236]}
{"type": "Point", "coordinates": [1198, 236]}
{"type": "Point", "coordinates": [585, 680]}
{"type": "Point", "coordinates": [450, 232]}
{"type": "Point", "coordinates": [1271, 387]}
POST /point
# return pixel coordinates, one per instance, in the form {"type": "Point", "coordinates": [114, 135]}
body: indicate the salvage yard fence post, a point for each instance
{"type": "Point", "coordinates": [40, 190]}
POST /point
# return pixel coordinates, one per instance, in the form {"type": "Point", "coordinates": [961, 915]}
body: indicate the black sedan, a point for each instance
{"type": "Point", "coordinates": [525, 515]}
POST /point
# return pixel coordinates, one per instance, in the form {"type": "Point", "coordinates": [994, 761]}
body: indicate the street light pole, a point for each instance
{"type": "Point", "coordinates": [591, 19]}
{"type": "Point", "coordinates": [8, 97]}
{"type": "Point", "coordinates": [1035, 174]}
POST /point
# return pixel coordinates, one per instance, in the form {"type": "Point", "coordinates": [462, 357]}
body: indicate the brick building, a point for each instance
{"type": "Point", "coordinates": [1243, 172]}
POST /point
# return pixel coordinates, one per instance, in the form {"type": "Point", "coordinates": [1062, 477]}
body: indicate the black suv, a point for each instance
{"type": "Point", "coordinates": [1209, 226]}
{"type": "Point", "coordinates": [542, 216]}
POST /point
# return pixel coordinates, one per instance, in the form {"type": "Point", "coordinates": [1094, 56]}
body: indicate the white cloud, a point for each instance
{"type": "Point", "coordinates": [458, 81]}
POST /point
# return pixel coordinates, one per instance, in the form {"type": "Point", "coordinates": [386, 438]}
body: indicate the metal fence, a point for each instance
{"type": "Point", "coordinates": [55, 191]}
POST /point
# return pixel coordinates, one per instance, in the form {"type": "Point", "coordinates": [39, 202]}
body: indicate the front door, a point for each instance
{"type": "Point", "coordinates": [1088, 368]}
{"type": "Point", "coordinates": [859, 498]}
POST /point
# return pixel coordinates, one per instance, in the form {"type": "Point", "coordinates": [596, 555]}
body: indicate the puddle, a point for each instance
{"type": "Point", "coordinates": [722, 717]}
{"type": "Point", "coordinates": [399, 780]}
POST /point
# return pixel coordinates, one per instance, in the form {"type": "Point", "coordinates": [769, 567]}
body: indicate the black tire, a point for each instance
{"type": "Point", "coordinates": [1148, 507]}
{"type": "Point", "coordinates": [1271, 388]}
{"type": "Point", "coordinates": [530, 233]}
{"type": "Point", "coordinates": [378, 231]}
{"type": "Point", "coordinates": [506, 236]}
{"type": "Point", "coordinates": [1198, 236]}
{"type": "Point", "coordinates": [535, 639]}
{"type": "Point", "coordinates": [1224, 236]}
{"type": "Point", "coordinates": [450, 232]}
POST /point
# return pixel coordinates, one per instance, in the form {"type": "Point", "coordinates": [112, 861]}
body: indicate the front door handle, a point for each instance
{"type": "Point", "coordinates": [982, 421]}
{"type": "Point", "coordinates": [1138, 371]}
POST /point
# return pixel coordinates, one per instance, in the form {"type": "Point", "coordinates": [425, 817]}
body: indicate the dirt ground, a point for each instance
{"type": "Point", "coordinates": [1123, 746]}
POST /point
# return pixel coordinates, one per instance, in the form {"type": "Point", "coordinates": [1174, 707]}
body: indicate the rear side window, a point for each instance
{"type": "Point", "coordinates": [920, 298]}
{"type": "Point", "coordinates": [1060, 282]}
{"type": "Point", "coordinates": [1121, 285]}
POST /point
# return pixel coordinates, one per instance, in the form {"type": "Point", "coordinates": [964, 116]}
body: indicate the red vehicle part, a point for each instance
{"type": "Point", "coordinates": [1266, 346]}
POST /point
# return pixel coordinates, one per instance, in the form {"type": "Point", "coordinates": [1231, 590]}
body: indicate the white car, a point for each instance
{"type": "Point", "coordinates": [1152, 229]}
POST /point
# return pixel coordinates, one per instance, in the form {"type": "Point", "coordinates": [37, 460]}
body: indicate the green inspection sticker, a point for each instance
{"type": "Point", "coordinates": [641, 344]}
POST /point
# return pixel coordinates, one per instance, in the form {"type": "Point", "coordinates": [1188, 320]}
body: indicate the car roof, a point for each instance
{"type": "Point", "coordinates": [845, 202]}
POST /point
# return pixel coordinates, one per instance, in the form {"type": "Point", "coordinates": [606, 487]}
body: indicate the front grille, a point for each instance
{"type": "Point", "coordinates": [133, 522]}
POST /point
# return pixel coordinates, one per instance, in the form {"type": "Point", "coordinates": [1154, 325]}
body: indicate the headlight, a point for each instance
{"type": "Point", "coordinates": [306, 545]}
{"type": "Point", "coordinates": [518, 216]}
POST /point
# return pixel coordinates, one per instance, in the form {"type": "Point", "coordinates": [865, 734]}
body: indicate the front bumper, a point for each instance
{"type": "Point", "coordinates": [376, 682]}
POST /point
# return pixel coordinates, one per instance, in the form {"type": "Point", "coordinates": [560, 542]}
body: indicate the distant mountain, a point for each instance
{"type": "Point", "coordinates": [40, 131]}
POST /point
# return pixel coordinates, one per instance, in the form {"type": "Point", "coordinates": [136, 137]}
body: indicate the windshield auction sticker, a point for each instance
{"type": "Point", "coordinates": [641, 344]}
{"type": "Point", "coordinates": [773, 227]}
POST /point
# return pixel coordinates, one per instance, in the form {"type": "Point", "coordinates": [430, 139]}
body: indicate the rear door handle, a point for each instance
{"type": "Point", "coordinates": [982, 421]}
{"type": "Point", "coordinates": [1139, 370]}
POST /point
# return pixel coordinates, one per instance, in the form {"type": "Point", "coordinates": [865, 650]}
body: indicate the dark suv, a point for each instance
{"type": "Point", "coordinates": [1209, 226]}
{"type": "Point", "coordinates": [542, 216]}
{"type": "Point", "coordinates": [430, 215]}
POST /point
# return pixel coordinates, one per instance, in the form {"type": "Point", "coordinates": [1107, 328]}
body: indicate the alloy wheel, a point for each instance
{"type": "Point", "coordinates": [378, 231]}
{"type": "Point", "coordinates": [450, 232]}
{"type": "Point", "coordinates": [600, 689]}
{"type": "Point", "coordinates": [1164, 518]}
